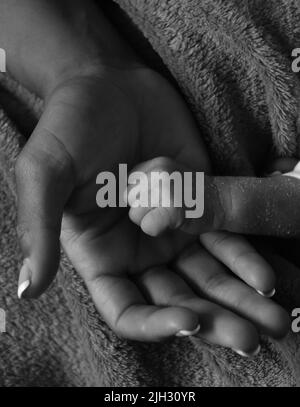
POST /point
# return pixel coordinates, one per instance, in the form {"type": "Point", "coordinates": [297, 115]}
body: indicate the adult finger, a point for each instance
{"type": "Point", "coordinates": [209, 279]}
{"type": "Point", "coordinates": [126, 311]}
{"type": "Point", "coordinates": [44, 180]}
{"type": "Point", "coordinates": [241, 258]}
{"type": "Point", "coordinates": [260, 206]}
{"type": "Point", "coordinates": [217, 325]}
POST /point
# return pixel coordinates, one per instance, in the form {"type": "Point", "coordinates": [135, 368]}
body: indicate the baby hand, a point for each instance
{"type": "Point", "coordinates": [162, 194]}
{"type": "Point", "coordinates": [157, 207]}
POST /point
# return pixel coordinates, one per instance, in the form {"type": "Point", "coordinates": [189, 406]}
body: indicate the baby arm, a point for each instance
{"type": "Point", "coordinates": [160, 206]}
{"type": "Point", "coordinates": [260, 206]}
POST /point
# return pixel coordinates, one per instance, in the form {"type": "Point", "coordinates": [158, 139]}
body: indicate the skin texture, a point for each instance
{"type": "Point", "coordinates": [229, 203]}
{"type": "Point", "coordinates": [108, 110]}
{"type": "Point", "coordinates": [146, 292]}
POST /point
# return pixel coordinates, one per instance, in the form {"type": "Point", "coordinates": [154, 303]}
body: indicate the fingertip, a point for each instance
{"type": "Point", "coordinates": [251, 354]}
{"type": "Point", "coordinates": [27, 288]}
{"type": "Point", "coordinates": [264, 281]}
{"type": "Point", "coordinates": [183, 322]}
{"type": "Point", "coordinates": [260, 274]}
{"type": "Point", "coordinates": [161, 324]}
{"type": "Point", "coordinates": [171, 322]}
{"type": "Point", "coordinates": [150, 226]}
{"type": "Point", "coordinates": [24, 279]}
{"type": "Point", "coordinates": [134, 217]}
{"type": "Point", "coordinates": [244, 338]}
{"type": "Point", "coordinates": [155, 222]}
{"type": "Point", "coordinates": [267, 294]}
{"type": "Point", "coordinates": [277, 321]}
{"type": "Point", "coordinates": [40, 265]}
{"type": "Point", "coordinates": [185, 333]}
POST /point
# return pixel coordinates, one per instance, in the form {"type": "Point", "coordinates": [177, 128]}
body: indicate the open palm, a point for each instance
{"type": "Point", "coordinates": [146, 288]}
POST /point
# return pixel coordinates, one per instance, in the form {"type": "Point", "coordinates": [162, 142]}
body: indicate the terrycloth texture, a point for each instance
{"type": "Point", "coordinates": [42, 345]}
{"type": "Point", "coordinates": [231, 61]}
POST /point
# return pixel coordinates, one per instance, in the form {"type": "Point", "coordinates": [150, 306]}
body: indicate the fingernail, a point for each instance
{"type": "Point", "coordinates": [24, 279]}
{"type": "Point", "coordinates": [267, 294]}
{"type": "Point", "coordinates": [295, 173]}
{"type": "Point", "coordinates": [248, 355]}
{"type": "Point", "coordinates": [184, 333]}
{"type": "Point", "coordinates": [273, 174]}
{"type": "Point", "coordinates": [135, 204]}
{"type": "Point", "coordinates": [297, 167]}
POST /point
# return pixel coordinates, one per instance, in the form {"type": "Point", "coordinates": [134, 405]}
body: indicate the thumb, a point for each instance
{"type": "Point", "coordinates": [261, 206]}
{"type": "Point", "coordinates": [44, 180]}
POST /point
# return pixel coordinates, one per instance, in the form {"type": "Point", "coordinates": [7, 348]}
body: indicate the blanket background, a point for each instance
{"type": "Point", "coordinates": [231, 60]}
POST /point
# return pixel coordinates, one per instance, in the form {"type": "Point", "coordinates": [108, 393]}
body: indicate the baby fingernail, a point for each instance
{"type": "Point", "coordinates": [184, 333]}
{"type": "Point", "coordinates": [24, 279]}
{"type": "Point", "coordinates": [135, 204]}
{"type": "Point", "coordinates": [248, 354]}
{"type": "Point", "coordinates": [267, 294]}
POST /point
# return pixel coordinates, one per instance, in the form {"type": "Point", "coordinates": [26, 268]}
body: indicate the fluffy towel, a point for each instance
{"type": "Point", "coordinates": [231, 60]}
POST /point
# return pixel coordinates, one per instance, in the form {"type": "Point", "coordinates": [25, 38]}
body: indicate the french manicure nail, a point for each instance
{"type": "Point", "coordinates": [24, 279]}
{"type": "Point", "coordinates": [248, 354]}
{"type": "Point", "coordinates": [267, 294]}
{"type": "Point", "coordinates": [184, 333]}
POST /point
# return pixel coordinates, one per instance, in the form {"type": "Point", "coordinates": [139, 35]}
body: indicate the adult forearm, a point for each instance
{"type": "Point", "coordinates": [47, 41]}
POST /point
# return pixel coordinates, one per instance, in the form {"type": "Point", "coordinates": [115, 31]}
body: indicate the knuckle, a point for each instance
{"type": "Point", "coordinates": [38, 157]}
{"type": "Point", "coordinates": [216, 284]}
{"type": "Point", "coordinates": [24, 165]}
{"type": "Point", "coordinates": [38, 166]}
{"type": "Point", "coordinates": [24, 236]}
{"type": "Point", "coordinates": [282, 323]}
{"type": "Point", "coordinates": [183, 299]}
{"type": "Point", "coordinates": [22, 230]}
{"type": "Point", "coordinates": [29, 165]}
{"type": "Point", "coordinates": [162, 162]}
{"type": "Point", "coordinates": [219, 241]}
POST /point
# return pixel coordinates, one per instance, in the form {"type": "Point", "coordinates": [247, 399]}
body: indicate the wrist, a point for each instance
{"type": "Point", "coordinates": [117, 70]}
{"type": "Point", "coordinates": [76, 66]}
{"type": "Point", "coordinates": [67, 39]}
{"type": "Point", "coordinates": [92, 47]}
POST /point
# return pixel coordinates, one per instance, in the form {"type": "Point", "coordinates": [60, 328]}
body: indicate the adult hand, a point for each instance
{"type": "Point", "coordinates": [146, 289]}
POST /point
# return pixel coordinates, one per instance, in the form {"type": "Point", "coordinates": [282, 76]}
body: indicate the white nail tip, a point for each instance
{"type": "Point", "coordinates": [22, 288]}
{"type": "Point", "coordinates": [248, 355]}
{"type": "Point", "coordinates": [268, 294]}
{"type": "Point", "coordinates": [184, 333]}
{"type": "Point", "coordinates": [295, 173]}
